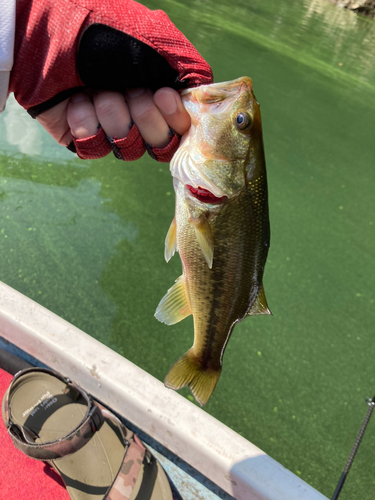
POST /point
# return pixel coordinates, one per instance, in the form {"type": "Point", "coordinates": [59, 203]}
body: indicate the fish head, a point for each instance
{"type": "Point", "coordinates": [217, 155]}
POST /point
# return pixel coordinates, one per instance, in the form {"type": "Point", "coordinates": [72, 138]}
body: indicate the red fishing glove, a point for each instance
{"type": "Point", "coordinates": [65, 46]}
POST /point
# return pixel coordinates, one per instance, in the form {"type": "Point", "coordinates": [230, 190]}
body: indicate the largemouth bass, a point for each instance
{"type": "Point", "coordinates": [221, 228]}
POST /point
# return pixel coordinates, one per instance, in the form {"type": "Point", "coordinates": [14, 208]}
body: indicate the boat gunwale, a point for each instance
{"type": "Point", "coordinates": [227, 459]}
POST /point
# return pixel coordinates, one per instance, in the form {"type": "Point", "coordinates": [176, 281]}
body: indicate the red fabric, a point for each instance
{"type": "Point", "coordinates": [93, 147]}
{"type": "Point", "coordinates": [165, 154]}
{"type": "Point", "coordinates": [132, 146]}
{"type": "Point", "coordinates": [47, 37]}
{"type": "Point", "coordinates": [22, 478]}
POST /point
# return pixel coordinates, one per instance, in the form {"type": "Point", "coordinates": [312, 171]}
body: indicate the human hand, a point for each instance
{"type": "Point", "coordinates": [112, 56]}
{"type": "Point", "coordinates": [154, 115]}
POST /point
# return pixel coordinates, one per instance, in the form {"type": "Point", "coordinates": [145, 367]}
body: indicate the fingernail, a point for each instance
{"type": "Point", "coordinates": [77, 98]}
{"type": "Point", "coordinates": [135, 92]}
{"type": "Point", "coordinates": [166, 102]}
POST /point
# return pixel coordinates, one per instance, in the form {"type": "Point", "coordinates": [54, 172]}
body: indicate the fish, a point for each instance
{"type": "Point", "coordinates": [221, 228]}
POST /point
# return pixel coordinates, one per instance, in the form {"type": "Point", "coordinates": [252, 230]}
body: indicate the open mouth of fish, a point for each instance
{"type": "Point", "coordinates": [205, 196]}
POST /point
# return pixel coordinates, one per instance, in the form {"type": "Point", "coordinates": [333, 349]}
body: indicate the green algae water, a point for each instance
{"type": "Point", "coordinates": [86, 238]}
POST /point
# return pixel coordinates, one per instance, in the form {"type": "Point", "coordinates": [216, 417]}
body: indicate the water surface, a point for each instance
{"type": "Point", "coordinates": [86, 239]}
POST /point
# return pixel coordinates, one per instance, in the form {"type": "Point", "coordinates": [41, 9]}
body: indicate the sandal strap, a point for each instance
{"type": "Point", "coordinates": [74, 441]}
{"type": "Point", "coordinates": [124, 483]}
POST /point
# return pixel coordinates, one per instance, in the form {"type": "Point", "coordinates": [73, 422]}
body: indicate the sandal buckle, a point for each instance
{"type": "Point", "coordinates": [97, 418]}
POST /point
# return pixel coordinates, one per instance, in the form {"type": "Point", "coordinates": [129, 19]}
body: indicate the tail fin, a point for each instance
{"type": "Point", "coordinates": [189, 371]}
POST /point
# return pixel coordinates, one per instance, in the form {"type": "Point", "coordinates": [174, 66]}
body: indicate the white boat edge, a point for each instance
{"type": "Point", "coordinates": [227, 459]}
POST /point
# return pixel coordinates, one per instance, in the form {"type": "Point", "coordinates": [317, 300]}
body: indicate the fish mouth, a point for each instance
{"type": "Point", "coordinates": [205, 196]}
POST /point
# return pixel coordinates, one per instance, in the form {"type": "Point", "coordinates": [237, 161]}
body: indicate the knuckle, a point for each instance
{"type": "Point", "coordinates": [143, 111]}
{"type": "Point", "coordinates": [112, 114]}
{"type": "Point", "coordinates": [83, 122]}
{"type": "Point", "coordinates": [105, 109]}
{"type": "Point", "coordinates": [109, 106]}
{"type": "Point", "coordinates": [80, 119]}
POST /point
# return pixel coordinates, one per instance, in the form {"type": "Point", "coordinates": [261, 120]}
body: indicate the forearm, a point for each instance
{"type": "Point", "coordinates": [104, 45]}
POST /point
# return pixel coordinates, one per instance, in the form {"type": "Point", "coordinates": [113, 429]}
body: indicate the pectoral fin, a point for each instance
{"type": "Point", "coordinates": [260, 306]}
{"type": "Point", "coordinates": [205, 238]}
{"type": "Point", "coordinates": [174, 306]}
{"type": "Point", "coordinates": [171, 241]}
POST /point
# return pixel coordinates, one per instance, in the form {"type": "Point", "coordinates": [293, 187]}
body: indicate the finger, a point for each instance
{"type": "Point", "coordinates": [112, 113]}
{"type": "Point", "coordinates": [81, 117]}
{"type": "Point", "coordinates": [147, 117]}
{"type": "Point", "coordinates": [170, 105]}
{"type": "Point", "coordinates": [55, 122]}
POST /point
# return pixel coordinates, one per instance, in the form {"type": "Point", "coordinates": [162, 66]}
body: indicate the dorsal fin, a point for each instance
{"type": "Point", "coordinates": [174, 306]}
{"type": "Point", "coordinates": [171, 241]}
{"type": "Point", "coordinates": [260, 305]}
{"type": "Point", "coordinates": [205, 238]}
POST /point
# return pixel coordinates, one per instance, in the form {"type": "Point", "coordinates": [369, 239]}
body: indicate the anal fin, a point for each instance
{"type": "Point", "coordinates": [260, 305]}
{"type": "Point", "coordinates": [174, 306]}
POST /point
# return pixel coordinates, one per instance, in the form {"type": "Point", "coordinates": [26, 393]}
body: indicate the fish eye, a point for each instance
{"type": "Point", "coordinates": [243, 120]}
